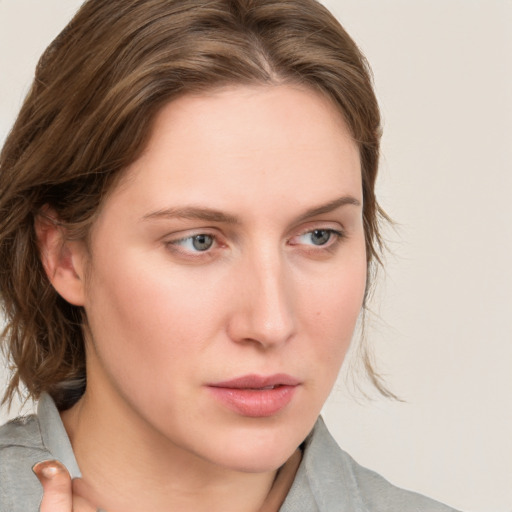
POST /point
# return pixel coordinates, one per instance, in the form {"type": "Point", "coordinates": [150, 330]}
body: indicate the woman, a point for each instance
{"type": "Point", "coordinates": [188, 228]}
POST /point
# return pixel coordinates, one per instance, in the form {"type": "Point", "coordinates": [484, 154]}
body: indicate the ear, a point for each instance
{"type": "Point", "coordinates": [62, 259]}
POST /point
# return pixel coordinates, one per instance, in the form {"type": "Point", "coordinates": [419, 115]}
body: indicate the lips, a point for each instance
{"type": "Point", "coordinates": [254, 395]}
{"type": "Point", "coordinates": [258, 382]}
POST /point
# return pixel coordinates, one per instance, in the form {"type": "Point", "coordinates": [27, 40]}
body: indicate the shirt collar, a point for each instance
{"type": "Point", "coordinates": [54, 435]}
{"type": "Point", "coordinates": [325, 481]}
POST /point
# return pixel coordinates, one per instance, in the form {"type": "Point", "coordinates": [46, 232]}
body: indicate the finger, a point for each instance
{"type": "Point", "coordinates": [56, 482]}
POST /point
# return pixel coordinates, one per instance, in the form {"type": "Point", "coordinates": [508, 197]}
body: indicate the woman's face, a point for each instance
{"type": "Point", "coordinates": [227, 272]}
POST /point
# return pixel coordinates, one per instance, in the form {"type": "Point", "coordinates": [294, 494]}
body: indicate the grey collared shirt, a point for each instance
{"type": "Point", "coordinates": [328, 479]}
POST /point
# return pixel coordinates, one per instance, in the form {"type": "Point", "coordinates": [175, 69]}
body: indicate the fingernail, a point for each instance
{"type": "Point", "coordinates": [46, 469]}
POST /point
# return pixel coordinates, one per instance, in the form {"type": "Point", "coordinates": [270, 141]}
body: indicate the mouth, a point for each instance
{"type": "Point", "coordinates": [256, 396]}
{"type": "Point", "coordinates": [258, 382]}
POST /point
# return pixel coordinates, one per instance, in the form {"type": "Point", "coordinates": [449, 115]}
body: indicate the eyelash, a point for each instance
{"type": "Point", "coordinates": [335, 237]}
{"type": "Point", "coordinates": [176, 246]}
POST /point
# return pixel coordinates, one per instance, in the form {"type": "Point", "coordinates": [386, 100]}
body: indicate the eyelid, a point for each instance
{"type": "Point", "coordinates": [173, 243]}
{"type": "Point", "coordinates": [335, 236]}
{"type": "Point", "coordinates": [177, 236]}
{"type": "Point", "coordinates": [310, 250]}
{"type": "Point", "coordinates": [334, 227]}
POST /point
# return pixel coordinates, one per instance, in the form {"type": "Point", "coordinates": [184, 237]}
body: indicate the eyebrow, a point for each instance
{"type": "Point", "coordinates": [212, 215]}
{"type": "Point", "coordinates": [329, 207]}
{"type": "Point", "coordinates": [192, 213]}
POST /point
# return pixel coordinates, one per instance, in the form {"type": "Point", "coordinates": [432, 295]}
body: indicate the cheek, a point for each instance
{"type": "Point", "coordinates": [141, 312]}
{"type": "Point", "coordinates": [336, 303]}
{"type": "Point", "coordinates": [150, 315]}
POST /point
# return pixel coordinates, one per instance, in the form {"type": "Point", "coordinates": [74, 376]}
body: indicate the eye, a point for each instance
{"type": "Point", "coordinates": [196, 243]}
{"type": "Point", "coordinates": [318, 237]}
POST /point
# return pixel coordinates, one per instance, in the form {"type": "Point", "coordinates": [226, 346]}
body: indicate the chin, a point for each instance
{"type": "Point", "coordinates": [257, 462]}
{"type": "Point", "coordinates": [261, 448]}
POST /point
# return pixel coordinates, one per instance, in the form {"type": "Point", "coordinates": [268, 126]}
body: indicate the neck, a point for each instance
{"type": "Point", "coordinates": [128, 467]}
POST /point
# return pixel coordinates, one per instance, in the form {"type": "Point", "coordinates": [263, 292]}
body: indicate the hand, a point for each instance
{"type": "Point", "coordinates": [59, 492]}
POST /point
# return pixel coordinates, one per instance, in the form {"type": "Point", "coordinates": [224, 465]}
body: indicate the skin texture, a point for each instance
{"type": "Point", "coordinates": [270, 295]}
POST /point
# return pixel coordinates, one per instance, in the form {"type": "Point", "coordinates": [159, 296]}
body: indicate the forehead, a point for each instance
{"type": "Point", "coordinates": [261, 142]}
{"type": "Point", "coordinates": [232, 116]}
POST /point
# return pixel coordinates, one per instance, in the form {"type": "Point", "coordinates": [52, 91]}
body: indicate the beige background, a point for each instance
{"type": "Point", "coordinates": [442, 327]}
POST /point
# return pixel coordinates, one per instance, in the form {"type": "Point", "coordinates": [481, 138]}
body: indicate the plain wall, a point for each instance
{"type": "Point", "coordinates": [441, 326]}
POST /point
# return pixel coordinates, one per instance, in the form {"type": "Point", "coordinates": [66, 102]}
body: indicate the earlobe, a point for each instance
{"type": "Point", "coordinates": [62, 259]}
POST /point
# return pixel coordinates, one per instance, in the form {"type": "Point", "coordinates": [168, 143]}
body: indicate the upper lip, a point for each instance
{"type": "Point", "coordinates": [257, 382]}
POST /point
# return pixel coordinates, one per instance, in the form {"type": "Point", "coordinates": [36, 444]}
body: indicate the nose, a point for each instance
{"type": "Point", "coordinates": [263, 303]}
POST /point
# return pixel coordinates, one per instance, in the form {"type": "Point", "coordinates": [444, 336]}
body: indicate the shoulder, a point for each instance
{"type": "Point", "coordinates": [21, 446]}
{"type": "Point", "coordinates": [334, 481]}
{"type": "Point", "coordinates": [23, 431]}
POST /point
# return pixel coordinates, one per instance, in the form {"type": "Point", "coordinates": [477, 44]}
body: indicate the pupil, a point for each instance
{"type": "Point", "coordinates": [321, 236]}
{"type": "Point", "coordinates": [202, 242]}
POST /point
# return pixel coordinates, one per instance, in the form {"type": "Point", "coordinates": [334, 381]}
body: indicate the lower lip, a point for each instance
{"type": "Point", "coordinates": [255, 403]}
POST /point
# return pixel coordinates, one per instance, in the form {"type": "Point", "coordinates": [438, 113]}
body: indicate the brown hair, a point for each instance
{"type": "Point", "coordinates": [88, 115]}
